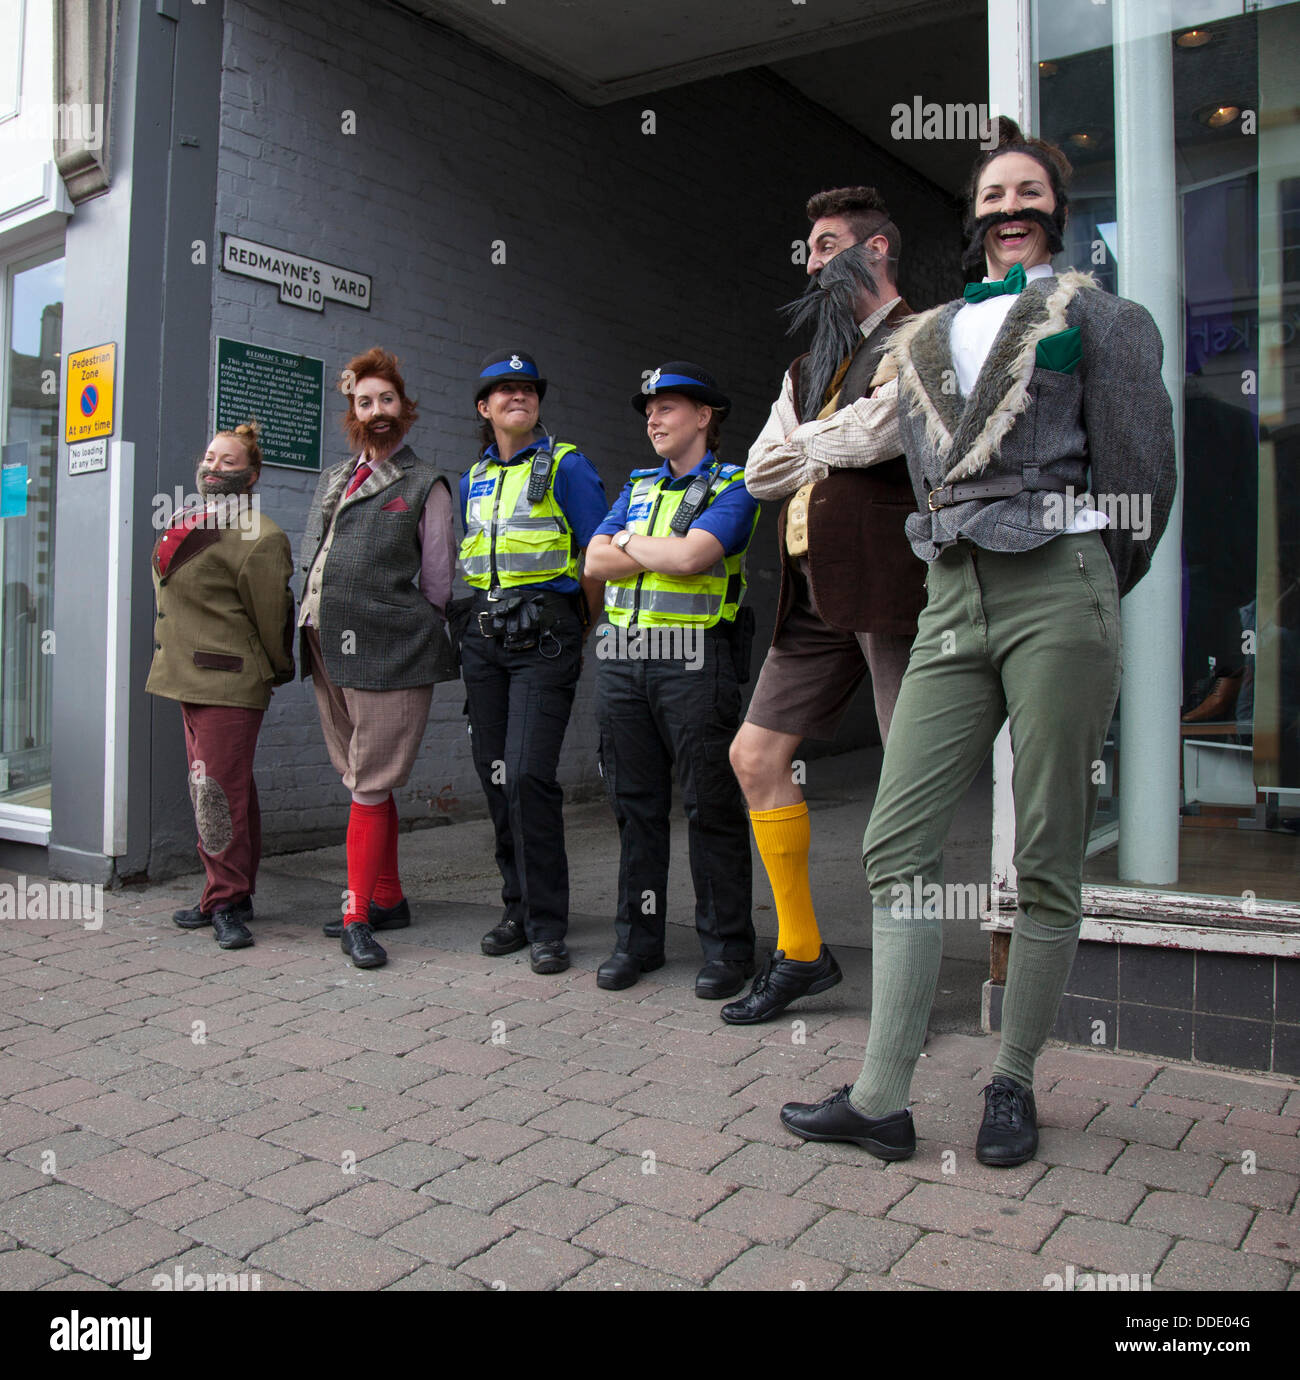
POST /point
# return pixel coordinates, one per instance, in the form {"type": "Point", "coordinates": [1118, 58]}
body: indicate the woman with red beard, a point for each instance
{"type": "Point", "coordinates": [377, 559]}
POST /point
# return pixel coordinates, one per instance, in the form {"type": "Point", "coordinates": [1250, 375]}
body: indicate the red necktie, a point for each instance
{"type": "Point", "coordinates": [171, 540]}
{"type": "Point", "coordinates": [358, 479]}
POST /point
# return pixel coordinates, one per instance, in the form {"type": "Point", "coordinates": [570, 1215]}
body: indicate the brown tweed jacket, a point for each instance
{"type": "Point", "coordinates": [224, 629]}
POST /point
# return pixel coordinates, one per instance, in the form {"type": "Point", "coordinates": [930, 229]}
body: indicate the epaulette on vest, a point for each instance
{"type": "Point", "coordinates": [646, 474]}
{"type": "Point", "coordinates": [728, 470]}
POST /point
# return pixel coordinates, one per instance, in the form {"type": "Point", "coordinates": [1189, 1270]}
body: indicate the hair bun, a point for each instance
{"type": "Point", "coordinates": [251, 428]}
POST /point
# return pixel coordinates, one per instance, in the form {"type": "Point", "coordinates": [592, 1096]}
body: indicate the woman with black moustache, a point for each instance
{"type": "Point", "coordinates": [1056, 379]}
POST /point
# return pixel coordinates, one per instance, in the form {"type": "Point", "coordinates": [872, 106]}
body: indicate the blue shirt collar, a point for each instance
{"type": "Point", "coordinates": [493, 456]}
{"type": "Point", "coordinates": [665, 473]}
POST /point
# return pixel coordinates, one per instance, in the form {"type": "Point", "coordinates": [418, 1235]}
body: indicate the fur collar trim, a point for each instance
{"type": "Point", "coordinates": [973, 431]}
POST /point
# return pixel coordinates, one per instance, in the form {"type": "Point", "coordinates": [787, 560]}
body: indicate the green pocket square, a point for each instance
{"type": "Point", "coordinates": [1061, 352]}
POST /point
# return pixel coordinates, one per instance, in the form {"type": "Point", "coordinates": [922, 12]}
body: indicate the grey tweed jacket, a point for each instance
{"type": "Point", "coordinates": [1111, 416]}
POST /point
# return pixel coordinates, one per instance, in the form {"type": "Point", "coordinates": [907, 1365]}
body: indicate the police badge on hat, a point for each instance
{"type": "Point", "coordinates": [508, 364]}
{"type": "Point", "coordinates": [689, 380]}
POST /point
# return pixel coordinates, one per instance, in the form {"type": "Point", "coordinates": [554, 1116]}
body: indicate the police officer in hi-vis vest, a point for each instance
{"type": "Point", "coordinates": [672, 553]}
{"type": "Point", "coordinates": [529, 505]}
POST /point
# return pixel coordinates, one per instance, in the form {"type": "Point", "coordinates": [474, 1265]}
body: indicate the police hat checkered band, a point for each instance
{"type": "Point", "coordinates": [514, 367]}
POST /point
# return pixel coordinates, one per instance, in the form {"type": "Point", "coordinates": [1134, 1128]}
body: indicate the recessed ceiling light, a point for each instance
{"type": "Point", "coordinates": [1083, 139]}
{"type": "Point", "coordinates": [1194, 38]}
{"type": "Point", "coordinates": [1047, 69]}
{"type": "Point", "coordinates": [1216, 116]}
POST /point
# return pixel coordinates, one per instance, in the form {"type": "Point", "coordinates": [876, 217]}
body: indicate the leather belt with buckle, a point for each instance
{"type": "Point", "coordinates": [949, 495]}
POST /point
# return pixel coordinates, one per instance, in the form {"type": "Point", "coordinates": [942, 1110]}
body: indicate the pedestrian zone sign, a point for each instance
{"type": "Point", "coordinates": [88, 400]}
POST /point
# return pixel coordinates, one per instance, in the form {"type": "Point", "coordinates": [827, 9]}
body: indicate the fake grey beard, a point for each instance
{"type": "Point", "coordinates": [212, 482]}
{"type": "Point", "coordinates": [829, 305]}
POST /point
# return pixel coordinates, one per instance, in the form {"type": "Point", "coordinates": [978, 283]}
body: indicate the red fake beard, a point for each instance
{"type": "Point", "coordinates": [365, 436]}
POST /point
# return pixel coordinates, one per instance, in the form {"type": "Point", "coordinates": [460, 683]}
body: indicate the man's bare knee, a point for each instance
{"type": "Point", "coordinates": [761, 760]}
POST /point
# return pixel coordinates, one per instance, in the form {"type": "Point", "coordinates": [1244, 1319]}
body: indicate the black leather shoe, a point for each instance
{"type": "Point", "coordinates": [723, 977]}
{"type": "Point", "coordinates": [506, 938]}
{"type": "Point", "coordinates": [891, 1137]}
{"type": "Point", "coordinates": [396, 917]}
{"type": "Point", "coordinates": [550, 956]}
{"type": "Point", "coordinates": [621, 970]}
{"type": "Point", "coordinates": [1008, 1134]}
{"type": "Point", "coordinates": [780, 981]}
{"type": "Point", "coordinates": [196, 918]}
{"type": "Point", "coordinates": [229, 930]}
{"type": "Point", "coordinates": [360, 945]}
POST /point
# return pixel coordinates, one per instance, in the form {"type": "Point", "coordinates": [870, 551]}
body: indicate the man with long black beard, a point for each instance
{"type": "Point", "coordinates": [377, 558]}
{"type": "Point", "coordinates": [850, 590]}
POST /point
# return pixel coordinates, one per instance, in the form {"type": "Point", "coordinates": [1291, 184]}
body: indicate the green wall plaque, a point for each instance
{"type": "Point", "coordinates": [286, 393]}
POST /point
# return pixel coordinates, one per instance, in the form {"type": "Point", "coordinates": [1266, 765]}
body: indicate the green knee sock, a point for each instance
{"type": "Point", "coordinates": [1037, 969]}
{"type": "Point", "coordinates": [905, 956]}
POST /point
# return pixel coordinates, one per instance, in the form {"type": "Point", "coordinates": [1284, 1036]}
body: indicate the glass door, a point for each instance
{"type": "Point", "coordinates": [29, 421]}
{"type": "Point", "coordinates": [1182, 116]}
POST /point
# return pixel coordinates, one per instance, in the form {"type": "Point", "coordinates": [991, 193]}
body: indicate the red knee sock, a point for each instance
{"type": "Point", "coordinates": [388, 889]}
{"type": "Point", "coordinates": [367, 838]}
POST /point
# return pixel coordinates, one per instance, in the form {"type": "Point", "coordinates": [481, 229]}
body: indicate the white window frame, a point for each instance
{"type": "Point", "coordinates": [22, 823]}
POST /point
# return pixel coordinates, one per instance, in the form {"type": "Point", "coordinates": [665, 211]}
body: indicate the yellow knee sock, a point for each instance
{"type": "Point", "coordinates": [783, 838]}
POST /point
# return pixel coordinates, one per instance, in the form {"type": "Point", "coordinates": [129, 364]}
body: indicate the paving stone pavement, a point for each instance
{"type": "Point", "coordinates": [455, 1122]}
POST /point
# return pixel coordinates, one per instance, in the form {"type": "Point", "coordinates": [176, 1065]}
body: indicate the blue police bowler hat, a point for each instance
{"type": "Point", "coordinates": [504, 366]}
{"type": "Point", "coordinates": [679, 376]}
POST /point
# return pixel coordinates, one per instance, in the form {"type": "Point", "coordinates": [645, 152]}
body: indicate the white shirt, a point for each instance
{"type": "Point", "coordinates": [788, 455]}
{"type": "Point", "coordinates": [974, 329]}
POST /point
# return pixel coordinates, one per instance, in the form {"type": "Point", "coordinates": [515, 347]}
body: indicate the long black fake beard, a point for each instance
{"type": "Point", "coordinates": [829, 305]}
{"type": "Point", "coordinates": [1053, 227]}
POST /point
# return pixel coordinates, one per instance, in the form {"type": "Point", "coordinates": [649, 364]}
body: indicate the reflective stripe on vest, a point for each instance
{"type": "Point", "coordinates": [532, 545]}
{"type": "Point", "coordinates": [652, 599]}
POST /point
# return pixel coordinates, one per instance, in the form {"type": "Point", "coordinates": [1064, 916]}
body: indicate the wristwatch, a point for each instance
{"type": "Point", "coordinates": [622, 540]}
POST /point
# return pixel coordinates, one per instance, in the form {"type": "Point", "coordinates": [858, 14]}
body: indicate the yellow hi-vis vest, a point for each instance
{"type": "Point", "coordinates": [518, 542]}
{"type": "Point", "coordinates": [654, 600]}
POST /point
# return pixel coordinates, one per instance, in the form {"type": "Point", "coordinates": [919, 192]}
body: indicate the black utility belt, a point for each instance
{"type": "Point", "coordinates": [949, 495]}
{"type": "Point", "coordinates": [524, 620]}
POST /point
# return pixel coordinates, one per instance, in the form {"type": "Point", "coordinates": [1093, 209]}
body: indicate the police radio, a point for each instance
{"type": "Point", "coordinates": [539, 478]}
{"type": "Point", "coordinates": [691, 506]}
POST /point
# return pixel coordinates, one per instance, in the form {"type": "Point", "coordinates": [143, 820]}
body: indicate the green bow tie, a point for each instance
{"type": "Point", "coordinates": [981, 292]}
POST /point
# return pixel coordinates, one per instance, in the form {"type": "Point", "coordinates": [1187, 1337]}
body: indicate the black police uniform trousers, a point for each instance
{"type": "Point", "coordinates": [655, 715]}
{"type": "Point", "coordinates": [518, 704]}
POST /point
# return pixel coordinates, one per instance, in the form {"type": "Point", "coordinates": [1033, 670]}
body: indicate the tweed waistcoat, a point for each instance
{"type": "Point", "coordinates": [377, 631]}
{"type": "Point", "coordinates": [1104, 428]}
{"type": "Point", "coordinates": [862, 573]}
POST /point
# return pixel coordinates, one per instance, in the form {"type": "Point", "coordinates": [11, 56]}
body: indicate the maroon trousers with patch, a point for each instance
{"type": "Point", "coordinates": [220, 741]}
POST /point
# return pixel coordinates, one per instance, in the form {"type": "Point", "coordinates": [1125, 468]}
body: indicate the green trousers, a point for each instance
{"type": "Point", "coordinates": [1031, 637]}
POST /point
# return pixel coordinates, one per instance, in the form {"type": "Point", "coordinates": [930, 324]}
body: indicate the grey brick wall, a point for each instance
{"type": "Point", "coordinates": [623, 249]}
